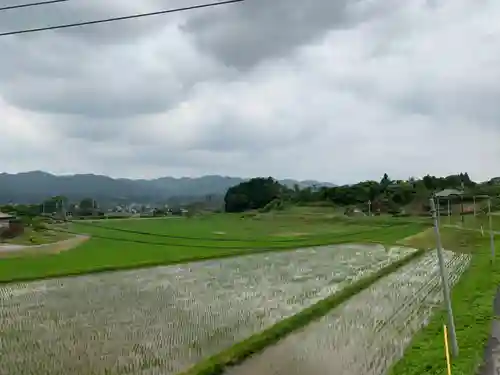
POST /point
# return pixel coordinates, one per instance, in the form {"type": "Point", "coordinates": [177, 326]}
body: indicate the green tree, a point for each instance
{"type": "Point", "coordinates": [253, 194]}
{"type": "Point", "coordinates": [87, 206]}
{"type": "Point", "coordinates": [430, 182]}
{"type": "Point", "coordinates": [54, 205]}
{"type": "Point", "coordinates": [386, 181]}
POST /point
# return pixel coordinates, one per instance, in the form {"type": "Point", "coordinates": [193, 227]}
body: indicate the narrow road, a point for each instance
{"type": "Point", "coordinates": [492, 353]}
{"type": "Point", "coordinates": [54, 246]}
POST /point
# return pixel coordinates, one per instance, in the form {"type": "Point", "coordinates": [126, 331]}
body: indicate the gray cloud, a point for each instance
{"type": "Point", "coordinates": [244, 34]}
{"type": "Point", "coordinates": [56, 75]}
{"type": "Point", "coordinates": [331, 90]}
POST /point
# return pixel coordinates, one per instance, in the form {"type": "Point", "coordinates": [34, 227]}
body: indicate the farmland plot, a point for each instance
{"type": "Point", "coordinates": [163, 320]}
{"type": "Point", "coordinates": [366, 334]}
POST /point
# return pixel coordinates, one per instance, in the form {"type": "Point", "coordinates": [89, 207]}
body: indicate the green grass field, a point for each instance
{"type": "Point", "coordinates": [141, 243]}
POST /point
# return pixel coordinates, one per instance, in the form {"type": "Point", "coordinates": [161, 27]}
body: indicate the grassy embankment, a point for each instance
{"type": "Point", "coordinates": [144, 243]}
{"type": "Point", "coordinates": [472, 301]}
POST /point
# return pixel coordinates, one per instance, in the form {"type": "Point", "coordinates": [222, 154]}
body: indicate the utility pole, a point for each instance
{"type": "Point", "coordinates": [462, 209]}
{"type": "Point", "coordinates": [492, 234]}
{"type": "Point", "coordinates": [462, 203]}
{"type": "Point", "coordinates": [369, 207]}
{"type": "Point", "coordinates": [449, 212]}
{"type": "Point", "coordinates": [438, 211]}
{"type": "Point", "coordinates": [444, 281]}
{"type": "Point", "coordinates": [474, 199]}
{"type": "Point", "coordinates": [63, 209]}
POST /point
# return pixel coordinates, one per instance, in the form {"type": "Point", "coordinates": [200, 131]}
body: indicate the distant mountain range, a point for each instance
{"type": "Point", "coordinates": [34, 187]}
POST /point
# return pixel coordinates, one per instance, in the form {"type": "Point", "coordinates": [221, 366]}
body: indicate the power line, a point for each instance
{"type": "Point", "coordinates": [27, 5]}
{"type": "Point", "coordinates": [122, 18]}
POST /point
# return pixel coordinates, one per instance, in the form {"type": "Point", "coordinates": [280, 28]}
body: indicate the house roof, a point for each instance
{"type": "Point", "coordinates": [5, 216]}
{"type": "Point", "coordinates": [447, 192]}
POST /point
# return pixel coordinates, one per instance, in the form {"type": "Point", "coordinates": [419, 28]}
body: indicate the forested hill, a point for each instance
{"type": "Point", "coordinates": [384, 196]}
{"type": "Point", "coordinates": [34, 187]}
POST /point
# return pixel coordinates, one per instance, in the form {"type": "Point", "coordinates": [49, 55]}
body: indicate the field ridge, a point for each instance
{"type": "Point", "coordinates": [216, 364]}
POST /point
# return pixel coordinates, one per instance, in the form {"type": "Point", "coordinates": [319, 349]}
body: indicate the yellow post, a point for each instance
{"type": "Point", "coordinates": [447, 349]}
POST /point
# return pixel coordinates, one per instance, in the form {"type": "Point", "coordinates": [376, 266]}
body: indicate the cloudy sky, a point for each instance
{"type": "Point", "coordinates": [333, 90]}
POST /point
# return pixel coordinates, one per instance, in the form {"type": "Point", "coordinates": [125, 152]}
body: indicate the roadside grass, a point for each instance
{"type": "Point", "coordinates": [217, 364]}
{"type": "Point", "coordinates": [471, 221]}
{"type": "Point", "coordinates": [482, 221]}
{"type": "Point", "coordinates": [109, 250]}
{"type": "Point", "coordinates": [472, 300]}
{"type": "Point", "coordinates": [451, 239]}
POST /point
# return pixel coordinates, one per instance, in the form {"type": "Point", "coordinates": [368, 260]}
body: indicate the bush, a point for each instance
{"type": "Point", "coordinates": [38, 226]}
{"type": "Point", "coordinates": [275, 204]}
{"type": "Point", "coordinates": [401, 214]}
{"type": "Point", "coordinates": [248, 215]}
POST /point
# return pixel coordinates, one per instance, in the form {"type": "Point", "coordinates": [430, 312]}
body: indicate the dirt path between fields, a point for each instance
{"type": "Point", "coordinates": [55, 247]}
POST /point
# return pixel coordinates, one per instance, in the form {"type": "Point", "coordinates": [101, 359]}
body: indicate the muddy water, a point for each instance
{"type": "Point", "coordinates": [366, 334]}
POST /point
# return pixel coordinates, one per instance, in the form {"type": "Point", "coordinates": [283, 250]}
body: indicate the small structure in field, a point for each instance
{"type": "Point", "coordinates": [354, 212]}
{"type": "Point", "coordinates": [449, 194]}
{"type": "Point", "coordinates": [10, 226]}
{"type": "Point", "coordinates": [447, 197]}
{"type": "Point", "coordinates": [5, 220]}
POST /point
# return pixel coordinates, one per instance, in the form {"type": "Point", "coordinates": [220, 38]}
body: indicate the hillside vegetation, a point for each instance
{"type": "Point", "coordinates": [385, 196]}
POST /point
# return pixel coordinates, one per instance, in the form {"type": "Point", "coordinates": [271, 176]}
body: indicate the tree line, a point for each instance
{"type": "Point", "coordinates": [57, 205]}
{"type": "Point", "coordinates": [266, 193]}
{"type": "Point", "coordinates": [385, 195]}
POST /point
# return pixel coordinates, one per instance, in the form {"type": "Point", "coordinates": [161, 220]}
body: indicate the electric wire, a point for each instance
{"type": "Point", "coordinates": [28, 5]}
{"type": "Point", "coordinates": [121, 18]}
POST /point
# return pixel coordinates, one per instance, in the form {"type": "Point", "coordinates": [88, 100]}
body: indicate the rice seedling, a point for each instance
{"type": "Point", "coordinates": [368, 333]}
{"type": "Point", "coordinates": [163, 320]}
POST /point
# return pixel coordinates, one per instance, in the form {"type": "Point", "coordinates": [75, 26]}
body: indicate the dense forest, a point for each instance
{"type": "Point", "coordinates": [386, 195]}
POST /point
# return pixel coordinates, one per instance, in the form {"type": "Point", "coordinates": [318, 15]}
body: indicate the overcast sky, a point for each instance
{"type": "Point", "coordinates": [333, 90]}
